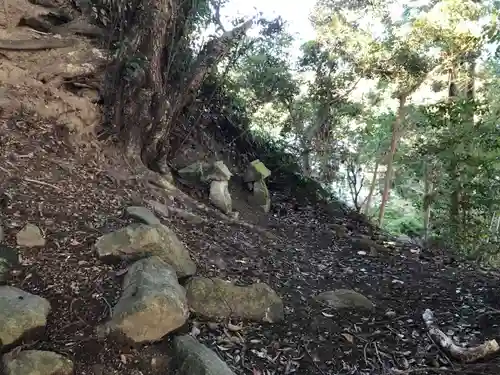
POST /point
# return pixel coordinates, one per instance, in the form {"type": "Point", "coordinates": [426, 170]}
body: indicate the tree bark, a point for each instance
{"type": "Point", "coordinates": [453, 171]}
{"type": "Point", "coordinates": [306, 163]}
{"type": "Point", "coordinates": [427, 200]}
{"type": "Point", "coordinates": [305, 155]}
{"type": "Point", "coordinates": [143, 99]}
{"type": "Point", "coordinates": [372, 189]}
{"type": "Point", "coordinates": [394, 143]}
{"type": "Point", "coordinates": [209, 56]}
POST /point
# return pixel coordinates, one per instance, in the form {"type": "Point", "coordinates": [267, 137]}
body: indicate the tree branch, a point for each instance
{"type": "Point", "coordinates": [216, 4]}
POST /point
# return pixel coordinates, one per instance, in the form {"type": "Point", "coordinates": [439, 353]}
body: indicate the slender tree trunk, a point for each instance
{"type": "Point", "coordinates": [497, 226]}
{"type": "Point", "coordinates": [305, 155]}
{"type": "Point", "coordinates": [394, 143]}
{"type": "Point", "coordinates": [453, 171]}
{"type": "Point", "coordinates": [454, 197]}
{"type": "Point", "coordinates": [306, 163]}
{"type": "Point", "coordinates": [427, 204]}
{"type": "Point", "coordinates": [373, 182]}
{"type": "Point", "coordinates": [464, 201]}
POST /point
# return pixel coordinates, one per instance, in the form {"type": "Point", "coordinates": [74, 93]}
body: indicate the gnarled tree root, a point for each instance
{"type": "Point", "coordinates": [35, 44]}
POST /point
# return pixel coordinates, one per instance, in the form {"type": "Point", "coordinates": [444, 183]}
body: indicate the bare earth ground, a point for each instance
{"type": "Point", "coordinates": [76, 196]}
{"type": "Point", "coordinates": [73, 199]}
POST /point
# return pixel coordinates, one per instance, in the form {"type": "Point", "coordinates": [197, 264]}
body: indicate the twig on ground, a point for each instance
{"type": "Point", "coordinates": [378, 357]}
{"type": "Point", "coordinates": [365, 355]}
{"type": "Point", "coordinates": [440, 350]}
{"type": "Point", "coordinates": [313, 361]}
{"type": "Point", "coordinates": [72, 312]}
{"type": "Point", "coordinates": [419, 370]}
{"type": "Point", "coordinates": [41, 183]}
{"type": "Point", "coordinates": [5, 170]}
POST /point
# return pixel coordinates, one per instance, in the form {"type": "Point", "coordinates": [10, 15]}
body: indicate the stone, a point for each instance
{"type": "Point", "coordinates": [20, 313]}
{"type": "Point", "coordinates": [220, 197]}
{"type": "Point", "coordinates": [138, 241]}
{"type": "Point", "coordinates": [344, 299]}
{"type": "Point", "coordinates": [215, 299]}
{"type": "Point", "coordinates": [9, 257]}
{"type": "Point", "coordinates": [2, 235]}
{"type": "Point", "coordinates": [36, 362]}
{"type": "Point", "coordinates": [30, 236]}
{"type": "Point", "coordinates": [260, 196]}
{"type": "Point", "coordinates": [365, 243]}
{"type": "Point", "coordinates": [219, 172]}
{"type": "Point", "coordinates": [143, 214]}
{"type": "Point", "coordinates": [194, 358]}
{"type": "Point", "coordinates": [152, 303]}
{"type": "Point", "coordinates": [339, 230]}
{"type": "Point", "coordinates": [403, 238]}
{"type": "Point", "coordinates": [256, 171]}
{"type": "Point", "coordinates": [193, 171]}
{"type": "Point", "coordinates": [206, 172]}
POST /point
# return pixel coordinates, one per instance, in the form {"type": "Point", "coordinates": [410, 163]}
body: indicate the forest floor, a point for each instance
{"type": "Point", "coordinates": [75, 197]}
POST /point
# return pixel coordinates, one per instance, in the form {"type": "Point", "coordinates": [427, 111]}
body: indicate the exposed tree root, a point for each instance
{"type": "Point", "coordinates": [171, 190]}
{"type": "Point", "coordinates": [35, 44]}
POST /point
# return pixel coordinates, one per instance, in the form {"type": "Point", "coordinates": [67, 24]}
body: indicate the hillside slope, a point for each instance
{"type": "Point", "coordinates": [75, 194]}
{"type": "Point", "coordinates": [74, 197]}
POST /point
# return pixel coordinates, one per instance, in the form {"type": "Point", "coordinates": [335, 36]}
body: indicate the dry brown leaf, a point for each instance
{"type": "Point", "coordinates": [348, 337]}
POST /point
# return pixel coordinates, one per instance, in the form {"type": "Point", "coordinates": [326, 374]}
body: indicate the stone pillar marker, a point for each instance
{"type": "Point", "coordinates": [254, 176]}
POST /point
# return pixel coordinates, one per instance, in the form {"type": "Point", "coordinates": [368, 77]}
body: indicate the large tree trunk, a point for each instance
{"type": "Point", "coordinates": [144, 100]}
{"type": "Point", "coordinates": [396, 131]}
{"type": "Point", "coordinates": [306, 162]}
{"type": "Point", "coordinates": [209, 56]}
{"type": "Point", "coordinates": [135, 99]}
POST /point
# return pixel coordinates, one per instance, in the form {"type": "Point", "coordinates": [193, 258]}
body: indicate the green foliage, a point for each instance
{"type": "Point", "coordinates": [304, 117]}
{"type": "Point", "coordinates": [264, 67]}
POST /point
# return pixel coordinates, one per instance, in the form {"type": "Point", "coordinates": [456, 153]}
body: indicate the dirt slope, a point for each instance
{"type": "Point", "coordinates": [44, 81]}
{"type": "Point", "coordinates": [75, 198]}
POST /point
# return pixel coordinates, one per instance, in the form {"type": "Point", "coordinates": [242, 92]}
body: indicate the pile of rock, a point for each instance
{"type": "Point", "coordinates": [22, 315]}
{"type": "Point", "coordinates": [254, 177]}
{"type": "Point", "coordinates": [217, 174]}
{"type": "Point", "coordinates": [159, 290]}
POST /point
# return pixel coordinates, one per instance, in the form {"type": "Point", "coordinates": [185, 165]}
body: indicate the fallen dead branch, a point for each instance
{"type": "Point", "coordinates": [465, 355]}
{"type": "Point", "coordinates": [166, 211]}
{"type": "Point", "coordinates": [41, 183]}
